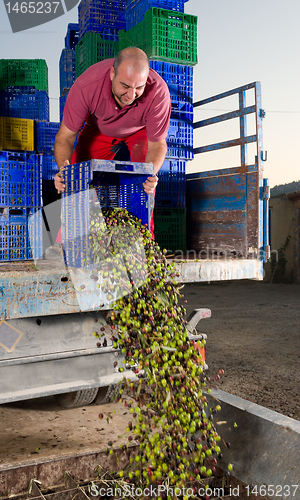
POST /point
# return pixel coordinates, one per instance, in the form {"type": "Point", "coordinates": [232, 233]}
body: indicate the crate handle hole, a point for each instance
{"type": "Point", "coordinates": [121, 166]}
{"type": "Point", "coordinates": [15, 211]}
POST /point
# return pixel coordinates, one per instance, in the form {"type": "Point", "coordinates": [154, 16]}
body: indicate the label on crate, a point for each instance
{"type": "Point", "coordinates": [24, 15]}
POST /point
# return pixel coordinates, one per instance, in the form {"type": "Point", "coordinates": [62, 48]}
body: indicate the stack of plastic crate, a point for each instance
{"type": "Point", "coordinates": [24, 102]}
{"type": "Point", "coordinates": [99, 25]}
{"type": "Point", "coordinates": [24, 89]}
{"type": "Point", "coordinates": [67, 64]}
{"type": "Point", "coordinates": [45, 133]}
{"type": "Point", "coordinates": [62, 102]}
{"type": "Point", "coordinates": [24, 98]}
{"type": "Point", "coordinates": [169, 37]}
{"type": "Point", "coordinates": [20, 200]}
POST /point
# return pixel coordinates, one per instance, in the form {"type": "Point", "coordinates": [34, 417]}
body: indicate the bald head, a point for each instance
{"type": "Point", "coordinates": [134, 58]}
{"type": "Point", "coordinates": [129, 75]}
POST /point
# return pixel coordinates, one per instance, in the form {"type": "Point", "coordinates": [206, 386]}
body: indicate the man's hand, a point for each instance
{"type": "Point", "coordinates": [63, 150]}
{"type": "Point", "coordinates": [58, 182]}
{"type": "Point", "coordinates": [150, 184]}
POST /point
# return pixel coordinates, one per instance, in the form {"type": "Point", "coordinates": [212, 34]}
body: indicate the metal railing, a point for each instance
{"type": "Point", "coordinates": [240, 113]}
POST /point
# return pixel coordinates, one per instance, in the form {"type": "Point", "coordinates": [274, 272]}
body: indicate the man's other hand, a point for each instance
{"type": "Point", "coordinates": [150, 184]}
{"type": "Point", "coordinates": [58, 181]}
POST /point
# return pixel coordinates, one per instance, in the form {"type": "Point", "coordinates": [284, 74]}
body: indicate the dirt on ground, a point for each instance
{"type": "Point", "coordinates": [253, 334]}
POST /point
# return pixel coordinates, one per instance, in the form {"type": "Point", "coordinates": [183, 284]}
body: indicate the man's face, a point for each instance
{"type": "Point", "coordinates": [127, 84]}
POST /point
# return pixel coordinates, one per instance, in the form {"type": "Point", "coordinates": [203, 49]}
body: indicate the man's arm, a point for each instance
{"type": "Point", "coordinates": [63, 150]}
{"type": "Point", "coordinates": [156, 154]}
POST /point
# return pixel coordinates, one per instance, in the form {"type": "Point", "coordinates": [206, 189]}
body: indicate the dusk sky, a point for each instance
{"type": "Point", "coordinates": [238, 43]}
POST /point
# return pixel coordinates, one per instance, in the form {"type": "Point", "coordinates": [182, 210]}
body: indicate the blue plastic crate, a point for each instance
{"type": "Point", "coordinates": [20, 179]}
{"type": "Point", "coordinates": [171, 187]}
{"type": "Point", "coordinates": [180, 152]}
{"type": "Point", "coordinates": [179, 79]}
{"type": "Point", "coordinates": [62, 102]}
{"type": "Point", "coordinates": [180, 83]}
{"type": "Point", "coordinates": [24, 102]}
{"type": "Point", "coordinates": [21, 235]}
{"type": "Point", "coordinates": [182, 110]}
{"type": "Point", "coordinates": [66, 69]}
{"type": "Point", "coordinates": [105, 17]}
{"type": "Point", "coordinates": [45, 133]}
{"type": "Point", "coordinates": [173, 167]}
{"type": "Point", "coordinates": [135, 9]}
{"type": "Point", "coordinates": [72, 36]}
{"type": "Point", "coordinates": [49, 166]}
{"type": "Point", "coordinates": [117, 184]}
{"type": "Point", "coordinates": [180, 134]}
{"type": "Point", "coordinates": [180, 138]}
{"type": "Point", "coordinates": [176, 76]}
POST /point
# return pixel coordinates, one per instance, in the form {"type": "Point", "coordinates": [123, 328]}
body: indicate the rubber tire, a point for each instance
{"type": "Point", "coordinates": [106, 394]}
{"type": "Point", "coordinates": [76, 398]}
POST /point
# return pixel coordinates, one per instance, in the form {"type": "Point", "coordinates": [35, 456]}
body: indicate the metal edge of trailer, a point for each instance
{"type": "Point", "coordinates": [208, 270]}
{"type": "Point", "coordinates": [264, 444]}
{"type": "Point", "coordinates": [264, 450]}
{"type": "Point", "coordinates": [49, 292]}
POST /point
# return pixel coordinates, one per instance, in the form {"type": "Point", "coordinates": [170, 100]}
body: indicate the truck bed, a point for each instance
{"type": "Point", "coordinates": [48, 287]}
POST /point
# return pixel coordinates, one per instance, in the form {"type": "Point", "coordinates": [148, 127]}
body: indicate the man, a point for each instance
{"type": "Point", "coordinates": [121, 101]}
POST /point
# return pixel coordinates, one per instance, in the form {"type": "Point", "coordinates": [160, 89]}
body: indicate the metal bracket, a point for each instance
{"type": "Point", "coordinates": [72, 484]}
{"type": "Point", "coordinates": [262, 156]}
{"type": "Point", "coordinates": [34, 490]}
{"type": "Point", "coordinates": [267, 250]}
{"type": "Point", "coordinates": [262, 113]}
{"type": "Point", "coordinates": [74, 490]}
{"type": "Point", "coordinates": [200, 336]}
{"type": "Point", "coordinates": [194, 318]}
{"type": "Point", "coordinates": [266, 192]}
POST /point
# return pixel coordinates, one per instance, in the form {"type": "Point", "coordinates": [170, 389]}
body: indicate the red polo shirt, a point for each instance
{"type": "Point", "coordinates": [91, 93]}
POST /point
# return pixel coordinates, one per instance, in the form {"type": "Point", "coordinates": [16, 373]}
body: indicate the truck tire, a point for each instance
{"type": "Point", "coordinates": [106, 394]}
{"type": "Point", "coordinates": [77, 398]}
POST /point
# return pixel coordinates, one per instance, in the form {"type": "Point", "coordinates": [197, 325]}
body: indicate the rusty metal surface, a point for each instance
{"type": "Point", "coordinates": [225, 144]}
{"type": "Point", "coordinates": [227, 116]}
{"type": "Point", "coordinates": [228, 93]}
{"type": "Point", "coordinates": [264, 445]}
{"type": "Point", "coordinates": [17, 479]}
{"type": "Point", "coordinates": [222, 209]}
{"type": "Point", "coordinates": [208, 270]}
{"type": "Point", "coordinates": [264, 449]}
{"type": "Point", "coordinates": [225, 207]}
{"type": "Point", "coordinates": [29, 292]}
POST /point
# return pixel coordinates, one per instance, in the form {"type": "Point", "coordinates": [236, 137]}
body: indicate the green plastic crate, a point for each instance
{"type": "Point", "coordinates": [165, 35]}
{"type": "Point", "coordinates": [91, 48]}
{"type": "Point", "coordinates": [24, 72]}
{"type": "Point", "coordinates": [170, 228]}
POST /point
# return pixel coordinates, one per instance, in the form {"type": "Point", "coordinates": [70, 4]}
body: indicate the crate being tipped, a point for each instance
{"type": "Point", "coordinates": [96, 185]}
